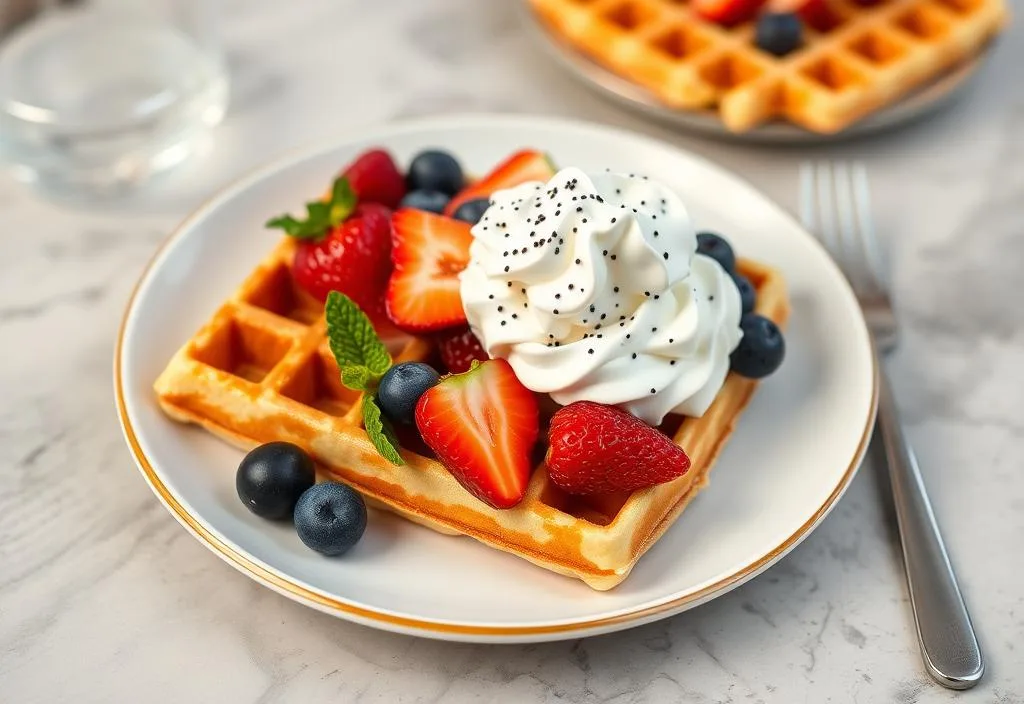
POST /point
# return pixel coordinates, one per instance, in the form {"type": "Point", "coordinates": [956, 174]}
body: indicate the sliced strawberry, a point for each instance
{"type": "Point", "coordinates": [727, 12]}
{"type": "Point", "coordinates": [428, 253]}
{"type": "Point", "coordinates": [482, 425]}
{"type": "Point", "coordinates": [375, 178]}
{"type": "Point", "coordinates": [523, 166]}
{"type": "Point", "coordinates": [459, 349]}
{"type": "Point", "coordinates": [597, 449]}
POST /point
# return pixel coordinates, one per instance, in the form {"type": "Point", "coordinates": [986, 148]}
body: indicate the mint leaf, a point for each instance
{"type": "Point", "coordinates": [352, 338]}
{"type": "Point", "coordinates": [357, 378]}
{"type": "Point", "coordinates": [321, 215]}
{"type": "Point", "coordinates": [380, 432]}
{"type": "Point", "coordinates": [363, 359]}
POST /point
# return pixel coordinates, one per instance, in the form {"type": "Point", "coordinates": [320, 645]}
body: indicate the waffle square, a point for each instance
{"type": "Point", "coordinates": [260, 370]}
{"type": "Point", "coordinates": [854, 59]}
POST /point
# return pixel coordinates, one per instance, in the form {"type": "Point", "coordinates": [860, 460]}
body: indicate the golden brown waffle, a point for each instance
{"type": "Point", "coordinates": [855, 60]}
{"type": "Point", "coordinates": [261, 370]}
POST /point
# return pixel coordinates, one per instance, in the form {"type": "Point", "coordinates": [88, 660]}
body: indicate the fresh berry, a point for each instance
{"type": "Point", "coordinates": [272, 477]}
{"type": "Point", "coordinates": [715, 246]}
{"type": "Point", "coordinates": [482, 425]}
{"type": "Point", "coordinates": [727, 12]}
{"type": "Point", "coordinates": [434, 170]}
{"type": "Point", "coordinates": [353, 258]}
{"type": "Point", "coordinates": [343, 246]}
{"type": "Point", "coordinates": [748, 296]}
{"type": "Point", "coordinates": [761, 349]}
{"type": "Point", "coordinates": [431, 201]}
{"type": "Point", "coordinates": [401, 387]}
{"type": "Point", "coordinates": [429, 252]}
{"type": "Point", "coordinates": [817, 14]}
{"type": "Point", "coordinates": [598, 449]}
{"type": "Point", "coordinates": [778, 33]}
{"type": "Point", "coordinates": [472, 210]}
{"type": "Point", "coordinates": [459, 349]}
{"type": "Point", "coordinates": [330, 518]}
{"type": "Point", "coordinates": [375, 178]}
{"type": "Point", "coordinates": [523, 166]}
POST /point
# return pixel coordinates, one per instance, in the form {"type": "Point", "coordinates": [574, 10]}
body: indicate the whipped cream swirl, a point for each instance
{"type": "Point", "coordinates": [591, 288]}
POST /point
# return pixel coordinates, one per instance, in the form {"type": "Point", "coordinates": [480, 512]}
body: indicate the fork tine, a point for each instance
{"type": "Point", "coordinates": [849, 250]}
{"type": "Point", "coordinates": [866, 235]}
{"type": "Point", "coordinates": [826, 208]}
{"type": "Point", "coordinates": [807, 197]}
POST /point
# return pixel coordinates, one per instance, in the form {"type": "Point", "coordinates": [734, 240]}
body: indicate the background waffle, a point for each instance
{"type": "Point", "coordinates": [854, 60]}
{"type": "Point", "coordinates": [261, 370]}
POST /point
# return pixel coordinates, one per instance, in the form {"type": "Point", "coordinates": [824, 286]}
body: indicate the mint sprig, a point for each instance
{"type": "Point", "coordinates": [352, 338]}
{"type": "Point", "coordinates": [380, 432]}
{"type": "Point", "coordinates": [363, 359]}
{"type": "Point", "coordinates": [321, 215]}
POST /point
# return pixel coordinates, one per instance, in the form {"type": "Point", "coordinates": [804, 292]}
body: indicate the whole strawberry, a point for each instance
{"type": "Point", "coordinates": [598, 449]}
{"type": "Point", "coordinates": [375, 178]}
{"type": "Point", "coordinates": [344, 246]}
{"type": "Point", "coordinates": [459, 348]}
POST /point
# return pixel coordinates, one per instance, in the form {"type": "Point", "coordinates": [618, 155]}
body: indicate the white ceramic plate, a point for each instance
{"type": "Point", "coordinates": [795, 451]}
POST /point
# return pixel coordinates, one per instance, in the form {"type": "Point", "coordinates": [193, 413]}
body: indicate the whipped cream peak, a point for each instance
{"type": "Point", "coordinates": [591, 288]}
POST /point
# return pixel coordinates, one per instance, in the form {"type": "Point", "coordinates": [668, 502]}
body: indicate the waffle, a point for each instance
{"type": "Point", "coordinates": [854, 59]}
{"type": "Point", "coordinates": [261, 370]}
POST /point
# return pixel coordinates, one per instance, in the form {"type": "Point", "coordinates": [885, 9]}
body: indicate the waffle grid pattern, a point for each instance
{"type": "Point", "coordinates": [260, 370]}
{"type": "Point", "coordinates": [854, 59]}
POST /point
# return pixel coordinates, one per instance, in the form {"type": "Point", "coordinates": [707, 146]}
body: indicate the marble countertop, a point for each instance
{"type": "Point", "coordinates": [104, 598]}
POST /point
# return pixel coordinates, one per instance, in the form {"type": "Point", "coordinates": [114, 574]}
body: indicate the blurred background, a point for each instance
{"type": "Point", "coordinates": [264, 77]}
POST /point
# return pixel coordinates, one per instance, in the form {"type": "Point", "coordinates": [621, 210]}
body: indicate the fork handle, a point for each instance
{"type": "Point", "coordinates": [948, 643]}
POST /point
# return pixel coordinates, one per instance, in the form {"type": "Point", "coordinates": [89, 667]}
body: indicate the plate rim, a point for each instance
{"type": "Point", "coordinates": [380, 618]}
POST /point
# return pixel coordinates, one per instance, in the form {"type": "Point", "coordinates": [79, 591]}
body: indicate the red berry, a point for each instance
{"type": "Point", "coordinates": [482, 425]}
{"type": "Point", "coordinates": [428, 252]}
{"type": "Point", "coordinates": [354, 258]}
{"type": "Point", "coordinates": [817, 14]}
{"type": "Point", "coordinates": [727, 12]}
{"type": "Point", "coordinates": [459, 349]}
{"type": "Point", "coordinates": [375, 178]}
{"type": "Point", "coordinates": [523, 166]}
{"type": "Point", "coordinates": [597, 449]}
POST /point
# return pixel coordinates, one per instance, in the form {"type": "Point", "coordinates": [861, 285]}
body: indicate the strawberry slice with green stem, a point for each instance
{"type": "Point", "coordinates": [482, 425]}
{"type": "Point", "coordinates": [525, 165]}
{"type": "Point", "coordinates": [428, 252]}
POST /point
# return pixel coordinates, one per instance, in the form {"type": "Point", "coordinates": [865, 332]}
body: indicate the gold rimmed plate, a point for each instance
{"type": "Point", "coordinates": [776, 480]}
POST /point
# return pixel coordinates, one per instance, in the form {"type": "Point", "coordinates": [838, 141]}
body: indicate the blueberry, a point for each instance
{"type": "Point", "coordinates": [434, 170]}
{"type": "Point", "coordinates": [778, 33]}
{"type": "Point", "coordinates": [761, 350]}
{"type": "Point", "coordinates": [748, 296]}
{"type": "Point", "coordinates": [432, 201]}
{"type": "Point", "coordinates": [718, 249]}
{"type": "Point", "coordinates": [272, 477]}
{"type": "Point", "coordinates": [330, 518]}
{"type": "Point", "coordinates": [472, 210]}
{"type": "Point", "coordinates": [402, 387]}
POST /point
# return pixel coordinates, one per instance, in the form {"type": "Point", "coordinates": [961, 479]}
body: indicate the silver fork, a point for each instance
{"type": "Point", "coordinates": [835, 206]}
